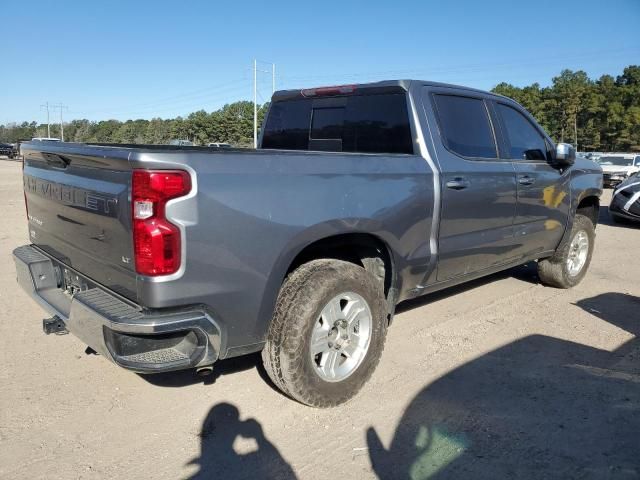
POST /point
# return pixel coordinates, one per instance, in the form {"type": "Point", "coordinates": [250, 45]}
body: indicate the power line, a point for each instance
{"type": "Point", "coordinates": [181, 98]}
{"type": "Point", "coordinates": [460, 69]}
{"type": "Point", "coordinates": [185, 104]}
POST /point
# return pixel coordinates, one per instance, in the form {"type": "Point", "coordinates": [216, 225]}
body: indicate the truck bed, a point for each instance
{"type": "Point", "coordinates": [248, 215]}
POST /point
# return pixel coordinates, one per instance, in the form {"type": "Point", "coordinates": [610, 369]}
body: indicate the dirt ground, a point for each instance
{"type": "Point", "coordinates": [500, 378]}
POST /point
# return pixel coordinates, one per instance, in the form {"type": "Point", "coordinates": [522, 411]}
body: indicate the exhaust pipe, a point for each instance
{"type": "Point", "coordinates": [204, 371]}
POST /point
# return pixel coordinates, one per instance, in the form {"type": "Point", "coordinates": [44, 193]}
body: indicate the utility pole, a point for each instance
{"type": "Point", "coordinates": [255, 103]}
{"type": "Point", "coordinates": [61, 107]}
{"type": "Point", "coordinates": [46, 105]}
{"type": "Point", "coordinates": [255, 95]}
{"type": "Point", "coordinates": [575, 128]}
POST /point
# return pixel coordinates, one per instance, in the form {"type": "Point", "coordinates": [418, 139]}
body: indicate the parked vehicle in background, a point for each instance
{"type": "Point", "coordinates": [181, 143]}
{"type": "Point", "coordinates": [6, 149]}
{"type": "Point", "coordinates": [219, 145]}
{"type": "Point", "coordinates": [617, 167]}
{"type": "Point", "coordinates": [625, 202]}
{"type": "Point", "coordinates": [45, 139]}
{"type": "Point", "coordinates": [359, 197]}
{"type": "Point", "coordinates": [593, 155]}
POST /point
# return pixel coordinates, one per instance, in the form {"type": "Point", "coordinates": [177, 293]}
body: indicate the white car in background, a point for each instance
{"type": "Point", "coordinates": [181, 143]}
{"type": "Point", "coordinates": [617, 167]}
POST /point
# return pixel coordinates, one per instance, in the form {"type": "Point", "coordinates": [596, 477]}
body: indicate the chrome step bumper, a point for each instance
{"type": "Point", "coordinates": [144, 341]}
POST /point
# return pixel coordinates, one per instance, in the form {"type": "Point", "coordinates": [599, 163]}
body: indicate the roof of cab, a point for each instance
{"type": "Point", "coordinates": [385, 86]}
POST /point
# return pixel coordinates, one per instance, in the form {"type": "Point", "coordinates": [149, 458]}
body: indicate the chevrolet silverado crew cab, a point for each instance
{"type": "Point", "coordinates": [359, 197]}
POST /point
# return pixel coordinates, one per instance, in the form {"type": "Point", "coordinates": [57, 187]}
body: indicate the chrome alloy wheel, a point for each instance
{"type": "Point", "coordinates": [341, 336]}
{"type": "Point", "coordinates": [578, 251]}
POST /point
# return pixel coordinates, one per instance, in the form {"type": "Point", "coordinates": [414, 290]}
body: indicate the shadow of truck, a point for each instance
{"type": "Point", "coordinates": [539, 407]}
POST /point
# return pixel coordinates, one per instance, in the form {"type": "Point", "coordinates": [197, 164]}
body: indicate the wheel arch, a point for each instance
{"type": "Point", "coordinates": [589, 206]}
{"type": "Point", "coordinates": [585, 193]}
{"type": "Point", "coordinates": [364, 249]}
{"type": "Point", "coordinates": [323, 241]}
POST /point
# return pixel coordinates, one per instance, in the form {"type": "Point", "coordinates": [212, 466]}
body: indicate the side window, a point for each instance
{"type": "Point", "coordinates": [638, 161]}
{"type": "Point", "coordinates": [377, 124]}
{"type": "Point", "coordinates": [525, 141]}
{"type": "Point", "coordinates": [464, 126]}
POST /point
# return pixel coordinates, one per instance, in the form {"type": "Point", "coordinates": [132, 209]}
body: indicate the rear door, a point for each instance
{"type": "Point", "coordinates": [543, 191]}
{"type": "Point", "coordinates": [478, 187]}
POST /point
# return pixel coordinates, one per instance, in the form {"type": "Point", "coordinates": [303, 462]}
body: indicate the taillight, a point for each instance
{"type": "Point", "coordinates": [156, 241]}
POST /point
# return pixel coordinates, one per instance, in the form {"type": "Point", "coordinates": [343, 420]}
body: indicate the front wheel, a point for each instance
{"type": "Point", "coordinates": [327, 333]}
{"type": "Point", "coordinates": [568, 266]}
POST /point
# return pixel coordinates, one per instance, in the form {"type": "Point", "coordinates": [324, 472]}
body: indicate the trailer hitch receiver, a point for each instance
{"type": "Point", "coordinates": [54, 325]}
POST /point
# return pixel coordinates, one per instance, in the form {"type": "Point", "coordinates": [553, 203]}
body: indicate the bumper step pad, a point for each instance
{"type": "Point", "coordinates": [166, 355]}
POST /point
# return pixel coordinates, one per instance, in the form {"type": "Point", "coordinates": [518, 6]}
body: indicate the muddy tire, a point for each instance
{"type": "Point", "coordinates": [568, 266]}
{"type": "Point", "coordinates": [327, 334]}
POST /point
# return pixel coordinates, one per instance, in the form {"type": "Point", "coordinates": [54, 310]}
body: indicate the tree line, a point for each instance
{"type": "Point", "coordinates": [602, 114]}
{"type": "Point", "coordinates": [232, 124]}
{"type": "Point", "coordinates": [595, 115]}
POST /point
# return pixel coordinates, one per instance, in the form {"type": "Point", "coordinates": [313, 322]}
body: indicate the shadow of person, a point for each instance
{"type": "Point", "coordinates": [219, 459]}
{"type": "Point", "coordinates": [539, 407]}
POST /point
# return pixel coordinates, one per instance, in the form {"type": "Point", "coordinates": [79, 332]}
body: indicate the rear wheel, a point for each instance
{"type": "Point", "coordinates": [568, 266]}
{"type": "Point", "coordinates": [327, 334]}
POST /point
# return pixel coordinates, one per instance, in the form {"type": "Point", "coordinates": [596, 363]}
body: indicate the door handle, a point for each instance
{"type": "Point", "coordinates": [526, 180]}
{"type": "Point", "coordinates": [457, 183]}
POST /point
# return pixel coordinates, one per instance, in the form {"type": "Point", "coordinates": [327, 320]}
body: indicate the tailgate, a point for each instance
{"type": "Point", "coordinates": [79, 211]}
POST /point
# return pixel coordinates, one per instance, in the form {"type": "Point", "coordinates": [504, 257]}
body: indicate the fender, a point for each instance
{"type": "Point", "coordinates": [586, 181]}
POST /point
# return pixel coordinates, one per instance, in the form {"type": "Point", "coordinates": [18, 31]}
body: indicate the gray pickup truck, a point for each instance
{"type": "Point", "coordinates": [359, 197]}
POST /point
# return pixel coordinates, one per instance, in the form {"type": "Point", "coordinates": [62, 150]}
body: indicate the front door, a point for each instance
{"type": "Point", "coordinates": [478, 188]}
{"type": "Point", "coordinates": [543, 191]}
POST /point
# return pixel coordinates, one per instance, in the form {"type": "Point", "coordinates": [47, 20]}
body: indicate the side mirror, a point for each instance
{"type": "Point", "coordinates": [565, 155]}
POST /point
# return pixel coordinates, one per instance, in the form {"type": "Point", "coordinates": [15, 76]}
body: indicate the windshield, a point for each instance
{"type": "Point", "coordinates": [618, 161]}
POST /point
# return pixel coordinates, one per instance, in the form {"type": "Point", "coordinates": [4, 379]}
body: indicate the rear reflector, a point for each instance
{"type": "Point", "coordinates": [328, 91]}
{"type": "Point", "coordinates": [156, 241]}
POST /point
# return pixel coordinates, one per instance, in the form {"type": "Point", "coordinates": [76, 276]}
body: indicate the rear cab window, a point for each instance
{"type": "Point", "coordinates": [365, 123]}
{"type": "Point", "coordinates": [465, 126]}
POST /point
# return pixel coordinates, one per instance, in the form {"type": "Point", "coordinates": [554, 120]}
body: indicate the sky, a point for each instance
{"type": "Point", "coordinates": [154, 58]}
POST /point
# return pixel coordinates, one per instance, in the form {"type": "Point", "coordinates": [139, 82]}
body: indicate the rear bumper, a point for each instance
{"type": "Point", "coordinates": [144, 341]}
